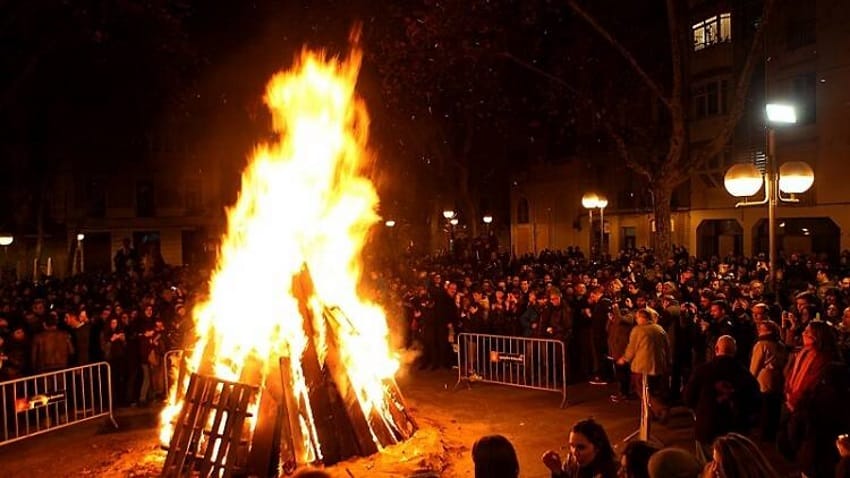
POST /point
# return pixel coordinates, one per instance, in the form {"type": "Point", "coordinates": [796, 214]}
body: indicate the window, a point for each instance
{"type": "Point", "coordinates": [522, 211]}
{"type": "Point", "coordinates": [712, 30]}
{"type": "Point", "coordinates": [805, 95]}
{"type": "Point", "coordinates": [710, 99]}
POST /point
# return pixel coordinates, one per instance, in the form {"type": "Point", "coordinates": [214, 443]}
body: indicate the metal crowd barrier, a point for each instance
{"type": "Point", "coordinates": [41, 403]}
{"type": "Point", "coordinates": [171, 366]}
{"type": "Point", "coordinates": [536, 364]}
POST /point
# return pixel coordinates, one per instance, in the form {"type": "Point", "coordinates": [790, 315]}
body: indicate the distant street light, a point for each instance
{"type": "Point", "coordinates": [6, 241]}
{"type": "Point", "coordinates": [453, 221]}
{"type": "Point", "coordinates": [448, 214]}
{"type": "Point", "coordinates": [390, 223]}
{"type": "Point", "coordinates": [488, 219]}
{"type": "Point", "coordinates": [80, 237]}
{"type": "Point", "coordinates": [794, 177]}
{"type": "Point", "coordinates": [79, 257]}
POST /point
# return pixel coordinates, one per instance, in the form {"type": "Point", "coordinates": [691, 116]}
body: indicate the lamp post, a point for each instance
{"type": "Point", "coordinates": [488, 219]}
{"type": "Point", "coordinates": [590, 201]}
{"type": "Point", "coordinates": [601, 203]}
{"type": "Point", "coordinates": [80, 253]}
{"type": "Point", "coordinates": [5, 241]}
{"type": "Point", "coordinates": [794, 177]}
{"type": "Point", "coordinates": [449, 215]}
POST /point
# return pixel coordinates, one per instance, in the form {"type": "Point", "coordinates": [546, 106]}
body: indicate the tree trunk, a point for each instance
{"type": "Point", "coordinates": [662, 195]}
{"type": "Point", "coordinates": [466, 197]}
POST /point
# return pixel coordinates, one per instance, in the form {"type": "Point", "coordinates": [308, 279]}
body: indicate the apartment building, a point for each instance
{"type": "Point", "coordinates": [805, 62]}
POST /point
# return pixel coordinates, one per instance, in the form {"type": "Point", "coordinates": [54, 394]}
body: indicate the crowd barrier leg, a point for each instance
{"type": "Point", "coordinates": [644, 432]}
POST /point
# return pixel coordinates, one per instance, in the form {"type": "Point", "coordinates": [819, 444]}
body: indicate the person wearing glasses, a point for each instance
{"type": "Point", "coordinates": [591, 454]}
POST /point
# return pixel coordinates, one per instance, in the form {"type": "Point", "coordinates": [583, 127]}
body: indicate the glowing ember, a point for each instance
{"type": "Point", "coordinates": [303, 201]}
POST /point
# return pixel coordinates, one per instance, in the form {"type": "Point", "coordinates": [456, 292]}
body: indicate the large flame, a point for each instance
{"type": "Point", "coordinates": [303, 201]}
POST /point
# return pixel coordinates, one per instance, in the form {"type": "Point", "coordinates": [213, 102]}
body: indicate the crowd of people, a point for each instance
{"type": "Point", "coordinates": [707, 334]}
{"type": "Point", "coordinates": [128, 319]}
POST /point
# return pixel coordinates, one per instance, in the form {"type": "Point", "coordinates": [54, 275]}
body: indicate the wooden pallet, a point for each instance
{"type": "Point", "coordinates": [208, 437]}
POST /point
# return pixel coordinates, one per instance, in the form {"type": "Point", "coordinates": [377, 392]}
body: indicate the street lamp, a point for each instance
{"type": "Point", "coordinates": [601, 203]}
{"type": "Point", "coordinates": [6, 241]}
{"type": "Point", "coordinates": [79, 253]}
{"type": "Point", "coordinates": [390, 223]}
{"type": "Point", "coordinates": [448, 214]}
{"type": "Point", "coordinates": [590, 201]}
{"type": "Point", "coordinates": [794, 177]}
{"type": "Point", "coordinates": [488, 219]}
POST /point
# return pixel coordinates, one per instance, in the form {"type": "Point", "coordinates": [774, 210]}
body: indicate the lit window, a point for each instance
{"type": "Point", "coordinates": [713, 30]}
{"type": "Point", "coordinates": [726, 27]}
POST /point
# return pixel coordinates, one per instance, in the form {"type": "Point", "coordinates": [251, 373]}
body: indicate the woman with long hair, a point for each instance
{"type": "Point", "coordinates": [591, 454]}
{"type": "Point", "coordinates": [736, 456]}
{"type": "Point", "coordinates": [816, 394]}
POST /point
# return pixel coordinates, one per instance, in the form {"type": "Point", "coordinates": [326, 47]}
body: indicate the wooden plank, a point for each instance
{"type": "Point", "coordinates": [213, 437]}
{"type": "Point", "coordinates": [317, 389]}
{"type": "Point", "coordinates": [359, 431]}
{"type": "Point", "coordinates": [238, 428]}
{"type": "Point", "coordinates": [292, 449]}
{"type": "Point", "coordinates": [174, 460]}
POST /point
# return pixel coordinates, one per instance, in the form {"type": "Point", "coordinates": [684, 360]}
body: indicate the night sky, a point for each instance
{"type": "Point", "coordinates": [472, 89]}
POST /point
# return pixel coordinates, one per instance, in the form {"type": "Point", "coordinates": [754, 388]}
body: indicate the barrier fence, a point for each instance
{"type": "Point", "coordinates": [41, 403]}
{"type": "Point", "coordinates": [536, 364]}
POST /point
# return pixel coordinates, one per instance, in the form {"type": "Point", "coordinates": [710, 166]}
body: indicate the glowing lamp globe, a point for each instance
{"type": "Point", "coordinates": [448, 214]}
{"type": "Point", "coordinates": [454, 221]}
{"type": "Point", "coordinates": [742, 180]}
{"type": "Point", "coordinates": [80, 237]}
{"type": "Point", "coordinates": [602, 202]}
{"type": "Point", "coordinates": [590, 200]}
{"type": "Point", "coordinates": [795, 177]}
{"type": "Point", "coordinates": [488, 219]}
{"type": "Point", "coordinates": [390, 223]}
{"type": "Point", "coordinates": [6, 240]}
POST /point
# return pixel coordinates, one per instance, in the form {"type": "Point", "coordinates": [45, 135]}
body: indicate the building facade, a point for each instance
{"type": "Point", "coordinates": [804, 62]}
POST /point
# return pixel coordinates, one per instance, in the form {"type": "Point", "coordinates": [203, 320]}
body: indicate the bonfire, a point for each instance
{"type": "Point", "coordinates": [283, 314]}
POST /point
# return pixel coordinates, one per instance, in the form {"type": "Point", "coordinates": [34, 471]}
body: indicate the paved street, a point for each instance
{"type": "Point", "coordinates": [531, 419]}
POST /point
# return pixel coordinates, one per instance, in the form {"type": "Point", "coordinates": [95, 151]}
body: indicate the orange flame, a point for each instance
{"type": "Point", "coordinates": [303, 201]}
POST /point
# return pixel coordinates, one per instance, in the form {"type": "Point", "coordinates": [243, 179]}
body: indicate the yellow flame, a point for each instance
{"type": "Point", "coordinates": [303, 200]}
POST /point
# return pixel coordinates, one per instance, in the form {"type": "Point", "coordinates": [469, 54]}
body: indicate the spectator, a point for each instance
{"type": "Point", "coordinates": [494, 457]}
{"type": "Point", "coordinates": [51, 348]}
{"type": "Point", "coordinates": [842, 444]}
{"type": "Point", "coordinates": [767, 363]}
{"type": "Point", "coordinates": [619, 330]}
{"type": "Point", "coordinates": [648, 353]}
{"type": "Point", "coordinates": [816, 397]}
{"type": "Point", "coordinates": [634, 462]}
{"type": "Point", "coordinates": [735, 455]}
{"type": "Point", "coordinates": [674, 463]}
{"type": "Point", "coordinates": [591, 454]}
{"type": "Point", "coordinates": [723, 394]}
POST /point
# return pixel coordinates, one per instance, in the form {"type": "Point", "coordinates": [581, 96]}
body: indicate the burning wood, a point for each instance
{"type": "Point", "coordinates": [316, 355]}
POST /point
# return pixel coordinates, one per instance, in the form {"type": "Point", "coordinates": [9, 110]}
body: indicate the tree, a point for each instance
{"type": "Point", "coordinates": [680, 159]}
{"type": "Point", "coordinates": [469, 118]}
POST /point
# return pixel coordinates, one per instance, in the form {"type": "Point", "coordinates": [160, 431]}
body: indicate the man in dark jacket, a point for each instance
{"type": "Point", "coordinates": [599, 317]}
{"type": "Point", "coordinates": [723, 394]}
{"type": "Point", "coordinates": [51, 349]}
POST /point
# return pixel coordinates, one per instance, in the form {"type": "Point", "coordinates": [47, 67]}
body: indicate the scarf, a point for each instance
{"type": "Point", "coordinates": [807, 370]}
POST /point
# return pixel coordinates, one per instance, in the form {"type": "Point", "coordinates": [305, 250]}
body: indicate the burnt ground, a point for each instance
{"type": "Point", "coordinates": [451, 421]}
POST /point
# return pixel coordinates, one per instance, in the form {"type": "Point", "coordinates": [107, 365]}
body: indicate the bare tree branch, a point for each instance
{"type": "Point", "coordinates": [587, 103]}
{"type": "Point", "coordinates": [626, 54]}
{"type": "Point", "coordinates": [715, 146]}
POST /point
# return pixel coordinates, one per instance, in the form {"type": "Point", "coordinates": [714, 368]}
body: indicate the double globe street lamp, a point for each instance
{"type": "Point", "coordinates": [591, 201]}
{"type": "Point", "coordinates": [793, 177]}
